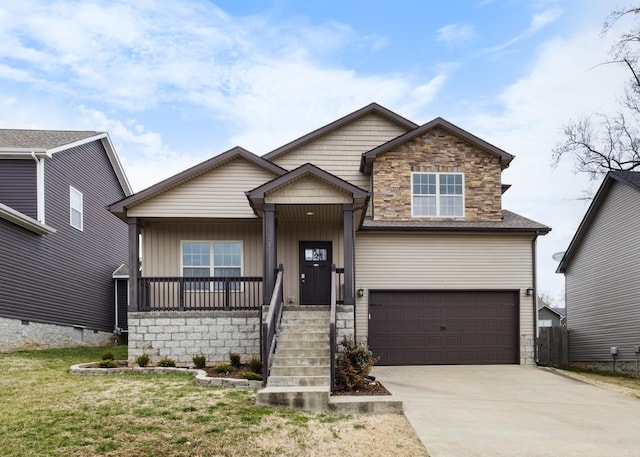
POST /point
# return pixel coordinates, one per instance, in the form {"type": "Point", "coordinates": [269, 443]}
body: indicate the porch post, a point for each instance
{"type": "Point", "coordinates": [349, 254]}
{"type": "Point", "coordinates": [134, 250]}
{"type": "Point", "coordinates": [269, 250]}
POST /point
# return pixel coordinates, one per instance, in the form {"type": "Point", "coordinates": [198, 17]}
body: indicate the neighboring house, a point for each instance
{"type": "Point", "coordinates": [59, 245]}
{"type": "Point", "coordinates": [431, 269]}
{"type": "Point", "coordinates": [601, 269]}
{"type": "Point", "coordinates": [549, 317]}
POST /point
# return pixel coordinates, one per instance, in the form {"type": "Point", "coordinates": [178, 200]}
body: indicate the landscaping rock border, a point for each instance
{"type": "Point", "coordinates": [202, 378]}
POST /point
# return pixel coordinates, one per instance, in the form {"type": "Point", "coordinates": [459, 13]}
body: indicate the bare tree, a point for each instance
{"type": "Point", "coordinates": [600, 142]}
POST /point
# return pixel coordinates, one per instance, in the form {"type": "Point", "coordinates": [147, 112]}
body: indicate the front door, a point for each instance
{"type": "Point", "coordinates": [315, 272]}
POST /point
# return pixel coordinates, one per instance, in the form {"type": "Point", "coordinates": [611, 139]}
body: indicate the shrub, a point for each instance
{"type": "Point", "coordinates": [250, 375]}
{"type": "Point", "coordinates": [108, 355]}
{"type": "Point", "coordinates": [142, 360]}
{"type": "Point", "coordinates": [108, 363]}
{"type": "Point", "coordinates": [234, 359]}
{"type": "Point", "coordinates": [354, 364]}
{"type": "Point", "coordinates": [222, 368]}
{"type": "Point", "coordinates": [256, 365]}
{"type": "Point", "coordinates": [166, 362]}
{"type": "Point", "coordinates": [199, 361]}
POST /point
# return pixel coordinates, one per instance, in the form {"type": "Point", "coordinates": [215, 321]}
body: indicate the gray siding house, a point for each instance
{"type": "Point", "coordinates": [59, 245]}
{"type": "Point", "coordinates": [601, 268]}
{"type": "Point", "coordinates": [428, 268]}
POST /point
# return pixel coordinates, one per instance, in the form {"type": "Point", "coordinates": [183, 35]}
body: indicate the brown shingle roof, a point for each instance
{"type": "Point", "coordinates": [41, 139]}
{"type": "Point", "coordinates": [510, 223]}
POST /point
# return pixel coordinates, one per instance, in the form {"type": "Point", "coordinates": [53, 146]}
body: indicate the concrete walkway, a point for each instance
{"type": "Point", "coordinates": [510, 410]}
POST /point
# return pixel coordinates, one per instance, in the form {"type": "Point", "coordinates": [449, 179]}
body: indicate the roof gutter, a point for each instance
{"type": "Point", "coordinates": [24, 221]}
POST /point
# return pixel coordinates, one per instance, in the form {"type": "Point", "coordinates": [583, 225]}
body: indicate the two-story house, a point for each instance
{"type": "Point", "coordinates": [59, 245]}
{"type": "Point", "coordinates": [429, 268]}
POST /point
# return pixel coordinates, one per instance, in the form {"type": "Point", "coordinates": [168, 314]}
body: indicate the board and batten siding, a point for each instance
{"type": "Point", "coordinates": [65, 278]}
{"type": "Point", "coordinates": [308, 190]}
{"type": "Point", "coordinates": [339, 152]}
{"type": "Point", "coordinates": [162, 249]}
{"type": "Point", "coordinates": [18, 185]}
{"type": "Point", "coordinates": [288, 244]}
{"type": "Point", "coordinates": [443, 262]}
{"type": "Point", "coordinates": [602, 282]}
{"type": "Point", "coordinates": [217, 193]}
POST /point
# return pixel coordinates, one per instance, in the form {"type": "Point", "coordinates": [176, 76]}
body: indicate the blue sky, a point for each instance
{"type": "Point", "coordinates": [175, 83]}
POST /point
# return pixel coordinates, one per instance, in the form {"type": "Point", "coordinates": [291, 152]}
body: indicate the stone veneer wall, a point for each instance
{"type": "Point", "coordinates": [16, 334]}
{"type": "Point", "coordinates": [527, 350]}
{"type": "Point", "coordinates": [437, 151]}
{"type": "Point", "coordinates": [181, 335]}
{"type": "Point", "coordinates": [345, 322]}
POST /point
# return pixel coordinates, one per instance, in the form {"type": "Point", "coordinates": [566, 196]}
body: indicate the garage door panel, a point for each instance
{"type": "Point", "coordinates": [444, 327]}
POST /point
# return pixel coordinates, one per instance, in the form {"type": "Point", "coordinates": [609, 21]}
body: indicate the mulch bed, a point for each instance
{"type": "Point", "coordinates": [372, 388]}
{"type": "Point", "coordinates": [232, 373]}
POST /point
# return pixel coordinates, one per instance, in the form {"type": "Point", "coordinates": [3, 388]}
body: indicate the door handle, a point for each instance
{"type": "Point", "coordinates": [302, 277]}
{"type": "Point", "coordinates": [443, 327]}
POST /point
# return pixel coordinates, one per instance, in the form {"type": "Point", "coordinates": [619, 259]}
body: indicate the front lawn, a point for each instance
{"type": "Point", "coordinates": [45, 411]}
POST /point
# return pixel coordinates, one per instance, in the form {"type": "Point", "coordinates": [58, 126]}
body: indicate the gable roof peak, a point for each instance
{"type": "Point", "coordinates": [371, 108]}
{"type": "Point", "coordinates": [438, 122]}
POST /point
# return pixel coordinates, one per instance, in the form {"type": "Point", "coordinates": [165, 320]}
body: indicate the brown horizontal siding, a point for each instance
{"type": "Point", "coordinates": [340, 152]}
{"type": "Point", "coordinates": [65, 278]}
{"type": "Point", "coordinates": [18, 186]}
{"type": "Point", "coordinates": [602, 282]}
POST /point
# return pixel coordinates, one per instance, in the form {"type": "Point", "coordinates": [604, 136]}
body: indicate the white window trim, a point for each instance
{"type": "Point", "coordinates": [545, 321]}
{"type": "Point", "coordinates": [437, 195]}
{"type": "Point", "coordinates": [73, 190]}
{"type": "Point", "coordinates": [212, 266]}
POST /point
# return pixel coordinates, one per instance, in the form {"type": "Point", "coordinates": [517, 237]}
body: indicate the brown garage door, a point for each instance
{"type": "Point", "coordinates": [444, 327]}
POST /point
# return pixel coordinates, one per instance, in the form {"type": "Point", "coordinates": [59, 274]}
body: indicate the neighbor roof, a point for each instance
{"type": "Point", "coordinates": [21, 143]}
{"type": "Point", "coordinates": [372, 108]}
{"type": "Point", "coordinates": [629, 178]}
{"type": "Point", "coordinates": [369, 157]}
{"type": "Point", "coordinates": [16, 139]}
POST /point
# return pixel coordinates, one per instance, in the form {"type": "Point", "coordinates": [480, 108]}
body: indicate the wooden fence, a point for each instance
{"type": "Point", "coordinates": [553, 346]}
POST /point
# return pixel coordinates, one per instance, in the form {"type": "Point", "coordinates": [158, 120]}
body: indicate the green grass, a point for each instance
{"type": "Point", "coordinates": [45, 411]}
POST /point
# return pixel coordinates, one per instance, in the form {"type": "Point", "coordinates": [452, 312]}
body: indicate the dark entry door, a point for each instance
{"type": "Point", "coordinates": [315, 272]}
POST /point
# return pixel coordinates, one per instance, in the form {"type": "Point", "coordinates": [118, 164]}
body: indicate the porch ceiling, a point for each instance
{"type": "Point", "coordinates": [309, 213]}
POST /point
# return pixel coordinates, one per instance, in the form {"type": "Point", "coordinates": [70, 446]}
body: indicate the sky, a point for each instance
{"type": "Point", "coordinates": [177, 82]}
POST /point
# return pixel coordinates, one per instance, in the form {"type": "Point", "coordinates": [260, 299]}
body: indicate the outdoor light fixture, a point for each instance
{"type": "Point", "coordinates": [530, 291]}
{"type": "Point", "coordinates": [360, 292]}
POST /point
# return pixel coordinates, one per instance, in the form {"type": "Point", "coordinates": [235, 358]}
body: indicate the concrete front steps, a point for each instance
{"type": "Point", "coordinates": [300, 374]}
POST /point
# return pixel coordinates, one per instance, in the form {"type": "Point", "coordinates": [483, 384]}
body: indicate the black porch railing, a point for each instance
{"type": "Point", "coordinates": [270, 326]}
{"type": "Point", "coordinates": [199, 294]}
{"type": "Point", "coordinates": [337, 285]}
{"type": "Point", "coordinates": [332, 324]}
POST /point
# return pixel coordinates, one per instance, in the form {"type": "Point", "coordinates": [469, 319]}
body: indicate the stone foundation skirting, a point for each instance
{"type": "Point", "coordinates": [527, 350]}
{"type": "Point", "coordinates": [17, 334]}
{"type": "Point", "coordinates": [345, 322]}
{"type": "Point", "coordinates": [182, 335]}
{"type": "Point", "coordinates": [626, 367]}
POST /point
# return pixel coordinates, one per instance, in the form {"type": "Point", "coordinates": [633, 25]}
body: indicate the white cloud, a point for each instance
{"type": "Point", "coordinates": [456, 34]}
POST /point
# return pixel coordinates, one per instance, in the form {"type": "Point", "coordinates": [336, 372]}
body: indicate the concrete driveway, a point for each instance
{"type": "Point", "coordinates": [510, 410]}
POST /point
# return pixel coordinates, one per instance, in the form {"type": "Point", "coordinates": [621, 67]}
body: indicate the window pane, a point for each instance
{"type": "Point", "coordinates": [451, 206]}
{"type": "Point", "coordinates": [195, 255]}
{"type": "Point", "coordinates": [227, 254]}
{"type": "Point", "coordinates": [227, 273]}
{"type": "Point", "coordinates": [424, 184]}
{"type": "Point", "coordinates": [451, 184]}
{"type": "Point", "coordinates": [424, 206]}
{"type": "Point", "coordinates": [196, 273]}
{"type": "Point", "coordinates": [76, 218]}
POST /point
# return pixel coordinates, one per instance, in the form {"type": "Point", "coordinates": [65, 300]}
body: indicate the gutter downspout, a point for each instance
{"type": "Point", "coordinates": [39, 187]}
{"type": "Point", "coordinates": [535, 297]}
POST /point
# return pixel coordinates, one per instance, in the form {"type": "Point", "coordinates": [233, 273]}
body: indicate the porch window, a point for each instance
{"type": "Point", "coordinates": [201, 258]}
{"type": "Point", "coordinates": [545, 323]}
{"type": "Point", "coordinates": [437, 194]}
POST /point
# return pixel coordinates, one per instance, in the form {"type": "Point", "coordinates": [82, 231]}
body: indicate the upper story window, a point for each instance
{"type": "Point", "coordinates": [76, 215]}
{"type": "Point", "coordinates": [202, 258]}
{"type": "Point", "coordinates": [437, 194]}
